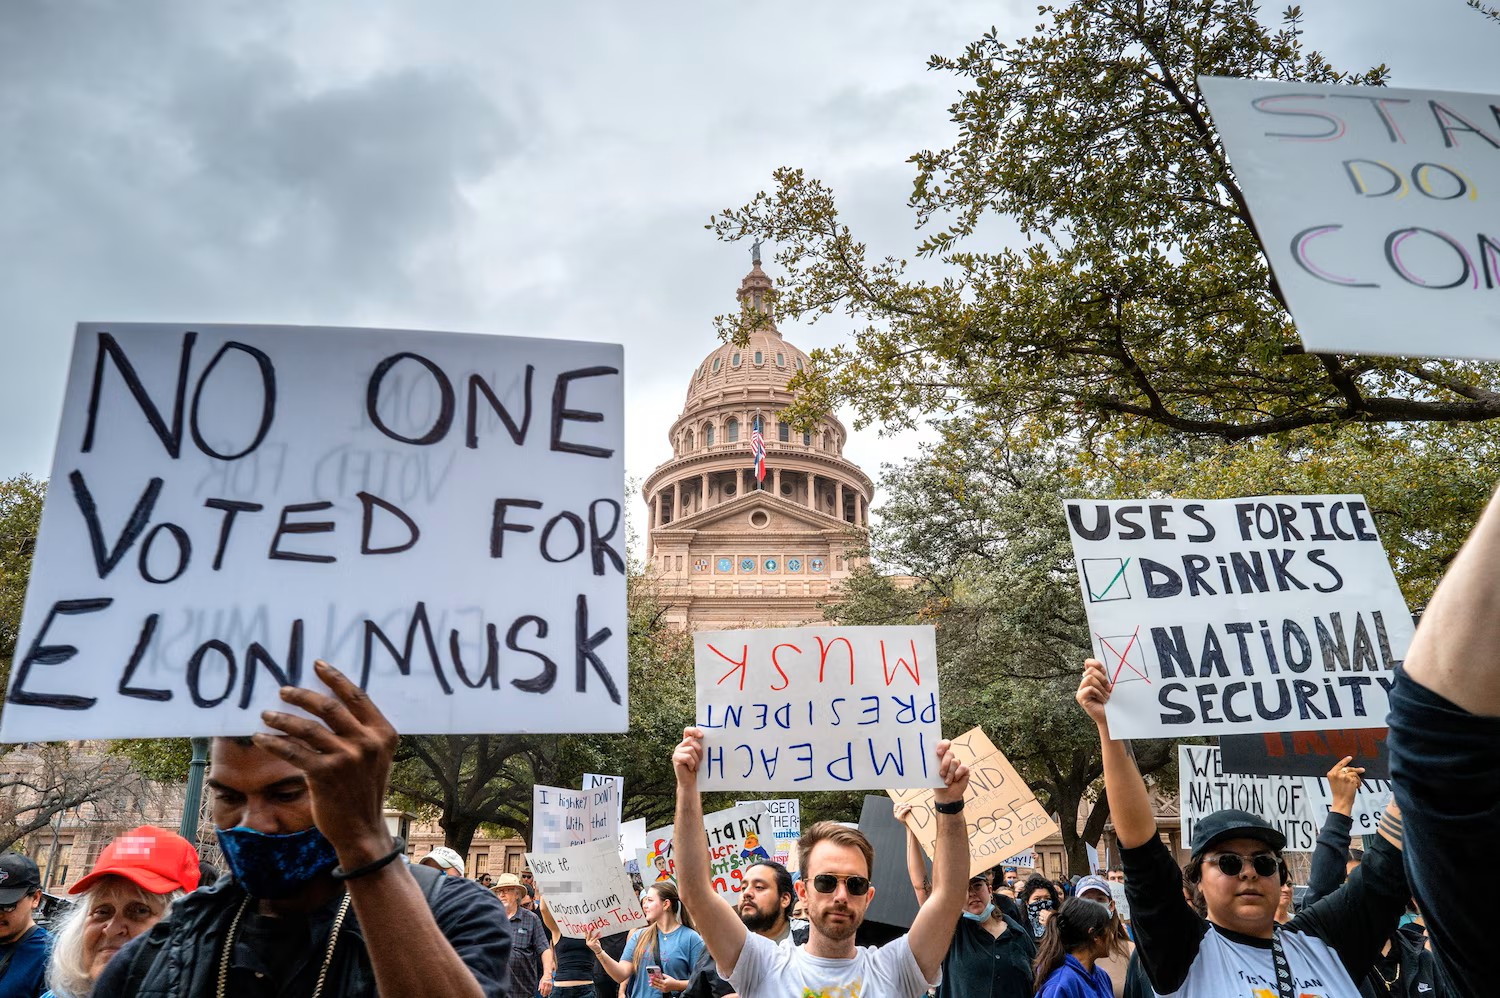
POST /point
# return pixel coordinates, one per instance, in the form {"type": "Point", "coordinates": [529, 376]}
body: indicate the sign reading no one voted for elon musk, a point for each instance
{"type": "Point", "coordinates": [436, 514]}
{"type": "Point", "coordinates": [1379, 209]}
{"type": "Point", "coordinates": [817, 708]}
{"type": "Point", "coordinates": [1226, 616]}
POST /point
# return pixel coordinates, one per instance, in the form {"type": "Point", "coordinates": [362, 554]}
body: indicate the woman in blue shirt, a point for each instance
{"type": "Point", "coordinates": [1077, 935]}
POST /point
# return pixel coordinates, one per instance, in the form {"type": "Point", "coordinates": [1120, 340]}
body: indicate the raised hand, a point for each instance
{"type": "Point", "coordinates": [1093, 692]}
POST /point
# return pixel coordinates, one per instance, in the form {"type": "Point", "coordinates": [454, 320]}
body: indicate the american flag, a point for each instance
{"type": "Point", "coordinates": [758, 448]}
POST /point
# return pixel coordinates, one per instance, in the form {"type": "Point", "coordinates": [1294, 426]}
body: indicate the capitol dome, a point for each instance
{"type": "Point", "coordinates": [765, 361]}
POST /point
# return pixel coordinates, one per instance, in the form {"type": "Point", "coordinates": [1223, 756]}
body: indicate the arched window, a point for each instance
{"type": "Point", "coordinates": [734, 360]}
{"type": "Point", "coordinates": [687, 440]}
{"type": "Point", "coordinates": [784, 432]}
{"type": "Point", "coordinates": [806, 438]}
{"type": "Point", "coordinates": [708, 434]}
{"type": "Point", "coordinates": [731, 430]}
{"type": "Point", "coordinates": [780, 359]}
{"type": "Point", "coordinates": [799, 363]}
{"type": "Point", "coordinates": [760, 358]}
{"type": "Point", "coordinates": [828, 440]}
{"type": "Point", "coordinates": [701, 371]}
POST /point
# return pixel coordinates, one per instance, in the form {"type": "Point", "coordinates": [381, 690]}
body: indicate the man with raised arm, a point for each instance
{"type": "Point", "coordinates": [1445, 754]}
{"type": "Point", "coordinates": [836, 862]}
{"type": "Point", "coordinates": [320, 902]}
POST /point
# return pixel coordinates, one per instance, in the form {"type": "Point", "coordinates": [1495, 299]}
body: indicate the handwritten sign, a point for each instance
{"type": "Point", "coordinates": [1272, 613]}
{"type": "Point", "coordinates": [785, 816]}
{"type": "Point", "coordinates": [1002, 814]}
{"type": "Point", "coordinates": [1376, 207]}
{"type": "Point", "coordinates": [1306, 753]}
{"type": "Point", "coordinates": [438, 514]}
{"type": "Point", "coordinates": [1296, 805]}
{"type": "Point", "coordinates": [817, 708]}
{"type": "Point", "coordinates": [561, 818]}
{"type": "Point", "coordinates": [587, 890]}
{"type": "Point", "coordinates": [738, 838]}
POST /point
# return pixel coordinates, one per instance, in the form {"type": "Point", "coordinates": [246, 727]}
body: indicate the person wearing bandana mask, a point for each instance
{"type": "Point", "coordinates": [1040, 898]}
{"type": "Point", "coordinates": [319, 902]}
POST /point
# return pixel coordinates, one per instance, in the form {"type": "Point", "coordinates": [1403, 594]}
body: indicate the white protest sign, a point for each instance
{"type": "Point", "coordinates": [587, 890]}
{"type": "Point", "coordinates": [737, 839]}
{"type": "Point", "coordinates": [817, 708]}
{"type": "Point", "coordinates": [1026, 859]}
{"type": "Point", "coordinates": [561, 818]}
{"type": "Point", "coordinates": [1228, 616]}
{"type": "Point", "coordinates": [593, 781]}
{"type": "Point", "coordinates": [1376, 207]}
{"type": "Point", "coordinates": [1295, 805]}
{"type": "Point", "coordinates": [436, 514]}
{"type": "Point", "coordinates": [632, 842]}
{"type": "Point", "coordinates": [785, 815]}
{"type": "Point", "coordinates": [1001, 813]}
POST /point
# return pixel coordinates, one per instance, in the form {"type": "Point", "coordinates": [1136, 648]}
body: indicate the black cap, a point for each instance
{"type": "Point", "coordinates": [18, 877]}
{"type": "Point", "coordinates": [1232, 824]}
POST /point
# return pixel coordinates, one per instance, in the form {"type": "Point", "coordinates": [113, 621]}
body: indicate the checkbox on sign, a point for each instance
{"type": "Point", "coordinates": [1105, 579]}
{"type": "Point", "coordinates": [1123, 656]}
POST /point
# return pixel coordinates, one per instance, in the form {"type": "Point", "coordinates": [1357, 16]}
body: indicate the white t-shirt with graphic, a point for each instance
{"type": "Point", "coordinates": [1228, 968]}
{"type": "Point", "coordinates": [766, 970]}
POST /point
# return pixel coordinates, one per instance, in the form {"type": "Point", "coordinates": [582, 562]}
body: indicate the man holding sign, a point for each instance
{"type": "Point", "coordinates": [836, 862]}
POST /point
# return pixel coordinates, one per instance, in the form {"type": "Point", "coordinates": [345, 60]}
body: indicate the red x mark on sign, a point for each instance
{"type": "Point", "coordinates": [1121, 657]}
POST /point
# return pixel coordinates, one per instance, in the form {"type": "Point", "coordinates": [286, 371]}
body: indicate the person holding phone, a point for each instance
{"type": "Point", "coordinates": [660, 958]}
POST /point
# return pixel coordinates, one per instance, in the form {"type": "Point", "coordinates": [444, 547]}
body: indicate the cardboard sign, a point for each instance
{"type": "Point", "coordinates": [1272, 613]}
{"type": "Point", "coordinates": [738, 838]}
{"type": "Point", "coordinates": [1296, 805]}
{"type": "Point", "coordinates": [587, 890]}
{"type": "Point", "coordinates": [1306, 753]}
{"type": "Point", "coordinates": [562, 818]}
{"type": "Point", "coordinates": [1376, 208]}
{"type": "Point", "coordinates": [817, 708]}
{"type": "Point", "coordinates": [1002, 814]}
{"type": "Point", "coordinates": [436, 514]}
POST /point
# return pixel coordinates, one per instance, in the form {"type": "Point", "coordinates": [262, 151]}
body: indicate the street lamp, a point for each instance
{"type": "Point", "coordinates": [192, 800]}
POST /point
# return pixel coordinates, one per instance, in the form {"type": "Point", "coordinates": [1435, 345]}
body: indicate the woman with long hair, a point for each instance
{"type": "Point", "coordinates": [1115, 963]}
{"type": "Point", "coordinates": [1078, 935]}
{"type": "Point", "coordinates": [660, 958]}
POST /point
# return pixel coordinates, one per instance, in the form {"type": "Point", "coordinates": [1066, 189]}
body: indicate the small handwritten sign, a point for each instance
{"type": "Point", "coordinates": [1002, 814]}
{"type": "Point", "coordinates": [817, 708]}
{"type": "Point", "coordinates": [586, 889]}
{"type": "Point", "coordinates": [561, 818]}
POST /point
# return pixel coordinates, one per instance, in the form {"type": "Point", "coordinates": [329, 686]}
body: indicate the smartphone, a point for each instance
{"type": "Point", "coordinates": [652, 971]}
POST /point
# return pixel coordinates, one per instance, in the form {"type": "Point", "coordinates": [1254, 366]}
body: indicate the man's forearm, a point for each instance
{"type": "Point", "coordinates": [690, 846]}
{"type": "Point", "coordinates": [1452, 652]}
{"type": "Point", "coordinates": [950, 863]}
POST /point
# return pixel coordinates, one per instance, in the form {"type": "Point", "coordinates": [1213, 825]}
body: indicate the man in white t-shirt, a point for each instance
{"type": "Point", "coordinates": [836, 862]}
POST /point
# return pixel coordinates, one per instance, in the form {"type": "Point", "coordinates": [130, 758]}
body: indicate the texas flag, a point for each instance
{"type": "Point", "coordinates": [758, 448]}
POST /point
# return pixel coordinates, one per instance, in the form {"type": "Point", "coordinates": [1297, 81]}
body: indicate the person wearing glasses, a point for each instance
{"type": "Point", "coordinates": [836, 862]}
{"type": "Point", "coordinates": [1226, 943]}
{"type": "Point", "coordinates": [24, 945]}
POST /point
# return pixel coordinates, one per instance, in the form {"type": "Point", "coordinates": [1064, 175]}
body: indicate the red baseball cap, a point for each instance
{"type": "Point", "coordinates": [152, 858]}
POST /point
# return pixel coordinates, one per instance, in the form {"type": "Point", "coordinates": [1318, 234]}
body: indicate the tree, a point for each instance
{"type": "Point", "coordinates": [44, 780]}
{"type": "Point", "coordinates": [20, 516]}
{"type": "Point", "coordinates": [1142, 299]}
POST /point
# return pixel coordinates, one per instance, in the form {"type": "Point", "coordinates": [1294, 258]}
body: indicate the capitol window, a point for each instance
{"type": "Point", "coordinates": [708, 434]}
{"type": "Point", "coordinates": [731, 428]}
{"type": "Point", "coordinates": [780, 359]}
{"type": "Point", "coordinates": [760, 358]}
{"type": "Point", "coordinates": [716, 364]}
{"type": "Point", "coordinates": [784, 432]}
{"type": "Point", "coordinates": [734, 361]}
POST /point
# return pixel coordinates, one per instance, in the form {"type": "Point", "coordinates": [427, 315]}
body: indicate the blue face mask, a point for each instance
{"type": "Point", "coordinates": [989, 910]}
{"type": "Point", "coordinates": [275, 866]}
{"type": "Point", "coordinates": [1407, 919]}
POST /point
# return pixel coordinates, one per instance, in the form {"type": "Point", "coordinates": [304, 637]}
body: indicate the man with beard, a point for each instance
{"type": "Point", "coordinates": [319, 902]}
{"type": "Point", "coordinates": [765, 907]}
{"type": "Point", "coordinates": [836, 862]}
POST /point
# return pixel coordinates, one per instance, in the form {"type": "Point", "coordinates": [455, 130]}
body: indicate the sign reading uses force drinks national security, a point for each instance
{"type": "Point", "coordinates": [436, 514]}
{"type": "Point", "coordinates": [1272, 613]}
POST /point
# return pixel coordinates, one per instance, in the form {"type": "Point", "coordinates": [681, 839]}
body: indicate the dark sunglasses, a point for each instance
{"type": "Point", "coordinates": [827, 883]}
{"type": "Point", "coordinates": [1231, 863]}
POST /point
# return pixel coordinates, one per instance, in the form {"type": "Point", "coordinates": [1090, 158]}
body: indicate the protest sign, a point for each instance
{"type": "Point", "coordinates": [737, 839]}
{"type": "Point", "coordinates": [1375, 207]}
{"type": "Point", "coordinates": [817, 708]}
{"type": "Point", "coordinates": [586, 889]}
{"type": "Point", "coordinates": [1002, 814]}
{"type": "Point", "coordinates": [785, 816]}
{"type": "Point", "coordinates": [437, 514]}
{"type": "Point", "coordinates": [1026, 859]}
{"type": "Point", "coordinates": [1306, 753]}
{"type": "Point", "coordinates": [894, 903]}
{"type": "Point", "coordinates": [562, 818]}
{"type": "Point", "coordinates": [632, 842]}
{"type": "Point", "coordinates": [1219, 616]}
{"type": "Point", "coordinates": [1295, 805]}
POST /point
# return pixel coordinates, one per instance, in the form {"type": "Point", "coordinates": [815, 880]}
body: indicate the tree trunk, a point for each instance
{"type": "Point", "coordinates": [458, 833]}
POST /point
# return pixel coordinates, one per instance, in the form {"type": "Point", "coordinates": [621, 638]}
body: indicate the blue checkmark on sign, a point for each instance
{"type": "Point", "coordinates": [1111, 573]}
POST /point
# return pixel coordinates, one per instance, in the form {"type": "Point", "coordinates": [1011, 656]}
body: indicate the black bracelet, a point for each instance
{"type": "Point", "coordinates": [399, 847]}
{"type": "Point", "coordinates": [952, 807]}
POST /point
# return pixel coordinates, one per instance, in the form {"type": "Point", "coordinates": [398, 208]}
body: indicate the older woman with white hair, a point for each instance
{"type": "Point", "coordinates": [130, 888]}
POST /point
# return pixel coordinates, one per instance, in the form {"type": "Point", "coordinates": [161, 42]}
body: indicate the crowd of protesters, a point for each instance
{"type": "Point", "coordinates": [318, 898]}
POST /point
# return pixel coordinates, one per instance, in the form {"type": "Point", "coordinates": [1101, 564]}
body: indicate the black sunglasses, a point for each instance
{"type": "Point", "coordinates": [1231, 863]}
{"type": "Point", "coordinates": [827, 883]}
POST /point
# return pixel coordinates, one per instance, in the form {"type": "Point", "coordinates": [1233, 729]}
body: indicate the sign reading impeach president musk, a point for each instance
{"type": "Point", "coordinates": [817, 708]}
{"type": "Point", "coordinates": [436, 514]}
{"type": "Point", "coordinates": [1272, 613]}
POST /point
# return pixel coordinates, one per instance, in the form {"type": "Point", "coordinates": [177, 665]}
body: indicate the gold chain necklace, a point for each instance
{"type": "Point", "coordinates": [234, 928]}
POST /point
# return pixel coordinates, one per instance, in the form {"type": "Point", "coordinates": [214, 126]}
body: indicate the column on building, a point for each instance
{"type": "Point", "coordinates": [838, 499]}
{"type": "Point", "coordinates": [703, 494]}
{"type": "Point", "coordinates": [812, 499]}
{"type": "Point", "coordinates": [776, 482]}
{"type": "Point", "coordinates": [677, 499]}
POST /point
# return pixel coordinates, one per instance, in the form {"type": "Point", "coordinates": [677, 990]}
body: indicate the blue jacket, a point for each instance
{"type": "Point", "coordinates": [1072, 981]}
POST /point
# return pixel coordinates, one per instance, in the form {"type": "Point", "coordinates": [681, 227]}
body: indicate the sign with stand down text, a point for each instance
{"type": "Point", "coordinates": [436, 514]}
{"type": "Point", "coordinates": [587, 890]}
{"type": "Point", "coordinates": [1230, 616]}
{"type": "Point", "coordinates": [1002, 814]}
{"type": "Point", "coordinates": [1379, 209]}
{"type": "Point", "coordinates": [817, 708]}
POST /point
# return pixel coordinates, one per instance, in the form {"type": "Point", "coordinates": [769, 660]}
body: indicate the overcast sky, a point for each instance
{"type": "Point", "coordinates": [523, 168]}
